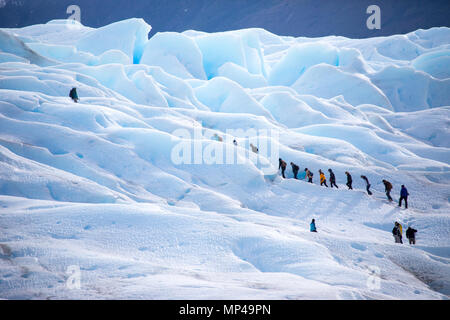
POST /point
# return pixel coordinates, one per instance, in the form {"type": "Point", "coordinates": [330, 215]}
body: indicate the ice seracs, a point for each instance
{"type": "Point", "coordinates": [94, 185]}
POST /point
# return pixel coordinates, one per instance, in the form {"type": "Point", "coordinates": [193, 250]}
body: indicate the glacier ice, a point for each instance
{"type": "Point", "coordinates": [94, 183]}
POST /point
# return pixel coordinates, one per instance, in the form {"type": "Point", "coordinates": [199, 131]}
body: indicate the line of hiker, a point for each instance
{"type": "Point", "coordinates": [323, 181]}
{"type": "Point", "coordinates": [397, 232]}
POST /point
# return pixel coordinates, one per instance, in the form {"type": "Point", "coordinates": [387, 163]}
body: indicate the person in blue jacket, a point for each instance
{"type": "Point", "coordinates": [403, 196]}
{"type": "Point", "coordinates": [312, 226]}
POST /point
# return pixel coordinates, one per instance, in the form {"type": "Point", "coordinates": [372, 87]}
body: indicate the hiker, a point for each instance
{"type": "Point", "coordinates": [312, 226]}
{"type": "Point", "coordinates": [74, 95]}
{"type": "Point", "coordinates": [217, 137]}
{"type": "Point", "coordinates": [254, 149]}
{"type": "Point", "coordinates": [400, 229]}
{"type": "Point", "coordinates": [308, 175]}
{"type": "Point", "coordinates": [332, 179]}
{"type": "Point", "coordinates": [323, 180]}
{"type": "Point", "coordinates": [295, 169]}
{"type": "Point", "coordinates": [411, 235]}
{"type": "Point", "coordinates": [282, 165]}
{"type": "Point", "coordinates": [396, 233]}
{"type": "Point", "coordinates": [349, 180]}
{"type": "Point", "coordinates": [387, 189]}
{"type": "Point", "coordinates": [403, 196]}
{"type": "Point", "coordinates": [367, 184]}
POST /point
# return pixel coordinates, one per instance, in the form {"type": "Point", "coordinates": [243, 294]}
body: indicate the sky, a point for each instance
{"type": "Point", "coordinates": [309, 18]}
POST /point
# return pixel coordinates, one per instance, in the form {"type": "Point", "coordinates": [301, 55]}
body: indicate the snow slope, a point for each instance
{"type": "Point", "coordinates": [96, 185]}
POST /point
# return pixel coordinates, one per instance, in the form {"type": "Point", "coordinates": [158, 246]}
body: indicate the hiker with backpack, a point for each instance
{"type": "Point", "coordinates": [308, 175]}
{"type": "Point", "coordinates": [367, 184]}
{"type": "Point", "coordinates": [411, 235]}
{"type": "Point", "coordinates": [323, 180]}
{"type": "Point", "coordinates": [295, 169]}
{"type": "Point", "coordinates": [349, 180]}
{"type": "Point", "coordinates": [397, 233]}
{"type": "Point", "coordinates": [387, 189]}
{"type": "Point", "coordinates": [282, 164]}
{"type": "Point", "coordinates": [332, 179]}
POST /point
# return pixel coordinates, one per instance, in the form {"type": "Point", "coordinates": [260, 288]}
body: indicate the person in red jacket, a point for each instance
{"type": "Point", "coordinates": [387, 189]}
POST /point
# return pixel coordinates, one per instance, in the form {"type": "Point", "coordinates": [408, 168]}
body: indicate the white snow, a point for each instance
{"type": "Point", "coordinates": [93, 186]}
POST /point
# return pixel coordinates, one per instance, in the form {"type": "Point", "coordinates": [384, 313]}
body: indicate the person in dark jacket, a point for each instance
{"type": "Point", "coordinates": [387, 189]}
{"type": "Point", "coordinates": [282, 165]}
{"type": "Point", "coordinates": [349, 180]}
{"type": "Point", "coordinates": [312, 226]}
{"type": "Point", "coordinates": [411, 235]}
{"type": "Point", "coordinates": [332, 179]}
{"type": "Point", "coordinates": [396, 233]}
{"type": "Point", "coordinates": [308, 175]}
{"type": "Point", "coordinates": [403, 196]}
{"type": "Point", "coordinates": [295, 169]}
{"type": "Point", "coordinates": [74, 95]}
{"type": "Point", "coordinates": [367, 185]}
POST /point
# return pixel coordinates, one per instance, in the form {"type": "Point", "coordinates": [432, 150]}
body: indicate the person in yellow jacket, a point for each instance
{"type": "Point", "coordinates": [400, 229]}
{"type": "Point", "coordinates": [323, 180]}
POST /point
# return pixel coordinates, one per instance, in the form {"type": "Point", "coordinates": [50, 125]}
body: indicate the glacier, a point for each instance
{"type": "Point", "coordinates": [93, 186]}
